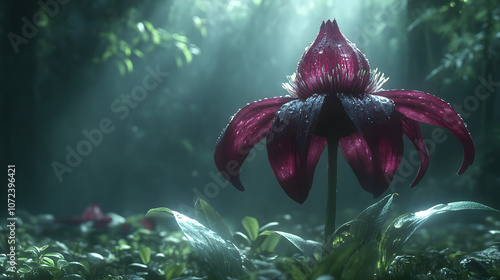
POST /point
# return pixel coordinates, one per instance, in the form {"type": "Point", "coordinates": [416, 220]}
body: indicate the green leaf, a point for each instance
{"type": "Point", "coordinates": [57, 256]}
{"type": "Point", "coordinates": [159, 210]}
{"type": "Point", "coordinates": [41, 249]}
{"type": "Point", "coordinates": [353, 240]}
{"type": "Point", "coordinates": [403, 227]}
{"type": "Point", "coordinates": [268, 225]}
{"type": "Point", "coordinates": [121, 67]}
{"type": "Point", "coordinates": [267, 243]}
{"type": "Point", "coordinates": [251, 225]}
{"type": "Point", "coordinates": [174, 271]}
{"type": "Point", "coordinates": [48, 261]}
{"type": "Point", "coordinates": [366, 226]}
{"type": "Point", "coordinates": [241, 236]}
{"type": "Point", "coordinates": [129, 64]}
{"type": "Point", "coordinates": [307, 247]}
{"type": "Point", "coordinates": [221, 256]}
{"type": "Point", "coordinates": [145, 254]}
{"type": "Point", "coordinates": [138, 53]}
{"type": "Point", "coordinates": [73, 267]}
{"type": "Point", "coordinates": [362, 264]}
{"type": "Point", "coordinates": [185, 50]}
{"type": "Point", "coordinates": [206, 215]}
{"type": "Point", "coordinates": [336, 260]}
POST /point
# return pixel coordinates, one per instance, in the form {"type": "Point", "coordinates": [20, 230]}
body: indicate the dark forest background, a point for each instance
{"type": "Point", "coordinates": [68, 67]}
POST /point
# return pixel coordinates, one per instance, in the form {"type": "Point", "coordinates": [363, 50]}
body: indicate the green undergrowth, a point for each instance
{"type": "Point", "coordinates": [205, 247]}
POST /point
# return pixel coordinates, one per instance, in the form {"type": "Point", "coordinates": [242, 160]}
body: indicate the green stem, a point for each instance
{"type": "Point", "coordinates": [331, 202]}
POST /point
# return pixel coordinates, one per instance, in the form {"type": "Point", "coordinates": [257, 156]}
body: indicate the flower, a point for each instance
{"type": "Point", "coordinates": [335, 97]}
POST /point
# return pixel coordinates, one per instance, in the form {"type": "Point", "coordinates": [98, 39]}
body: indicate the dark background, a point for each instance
{"type": "Point", "coordinates": [65, 63]}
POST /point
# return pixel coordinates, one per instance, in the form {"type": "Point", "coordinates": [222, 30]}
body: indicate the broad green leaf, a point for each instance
{"type": "Point", "coordinates": [363, 263]}
{"type": "Point", "coordinates": [366, 226]}
{"type": "Point", "coordinates": [251, 225]}
{"type": "Point", "coordinates": [207, 216]}
{"type": "Point", "coordinates": [48, 261]}
{"type": "Point", "coordinates": [221, 256]}
{"type": "Point", "coordinates": [54, 271]}
{"type": "Point", "coordinates": [43, 248]}
{"type": "Point", "coordinates": [349, 241]}
{"type": "Point", "coordinates": [403, 227]}
{"type": "Point", "coordinates": [267, 243]}
{"type": "Point", "coordinates": [145, 254]}
{"type": "Point", "coordinates": [337, 258]}
{"type": "Point", "coordinates": [174, 271]}
{"type": "Point", "coordinates": [54, 255]}
{"type": "Point", "coordinates": [61, 263]}
{"type": "Point", "coordinates": [307, 247]}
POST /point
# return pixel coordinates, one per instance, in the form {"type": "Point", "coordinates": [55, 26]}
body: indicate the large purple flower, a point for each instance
{"type": "Point", "coordinates": [335, 97]}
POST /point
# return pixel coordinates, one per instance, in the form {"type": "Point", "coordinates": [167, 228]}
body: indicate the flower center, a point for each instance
{"type": "Point", "coordinates": [338, 80]}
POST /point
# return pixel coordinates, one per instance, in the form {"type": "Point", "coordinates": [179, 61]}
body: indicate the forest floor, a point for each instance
{"type": "Point", "coordinates": [136, 248]}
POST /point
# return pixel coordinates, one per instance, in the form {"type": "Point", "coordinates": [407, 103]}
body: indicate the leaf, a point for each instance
{"type": "Point", "coordinates": [185, 50]}
{"type": "Point", "coordinates": [48, 261]}
{"type": "Point", "coordinates": [41, 249]}
{"type": "Point", "coordinates": [54, 255]}
{"type": "Point", "coordinates": [240, 235]}
{"type": "Point", "coordinates": [221, 256]}
{"type": "Point", "coordinates": [366, 226]}
{"type": "Point", "coordinates": [251, 225]}
{"type": "Point", "coordinates": [307, 247]}
{"type": "Point", "coordinates": [174, 271]}
{"type": "Point", "coordinates": [352, 240]}
{"type": "Point", "coordinates": [403, 227]}
{"type": "Point", "coordinates": [336, 260]}
{"type": "Point", "coordinates": [121, 67]}
{"type": "Point", "coordinates": [206, 215]}
{"type": "Point", "coordinates": [145, 254]}
{"type": "Point", "coordinates": [72, 267]}
{"type": "Point", "coordinates": [267, 243]}
{"type": "Point", "coordinates": [362, 264]}
{"type": "Point", "coordinates": [129, 64]}
{"type": "Point", "coordinates": [268, 225]}
{"type": "Point", "coordinates": [159, 211]}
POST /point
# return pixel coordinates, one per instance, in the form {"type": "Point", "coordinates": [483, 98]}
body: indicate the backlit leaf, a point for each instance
{"type": "Point", "coordinates": [221, 255]}
{"type": "Point", "coordinates": [402, 228]}
{"type": "Point", "coordinates": [206, 215]}
{"type": "Point", "coordinates": [251, 225]}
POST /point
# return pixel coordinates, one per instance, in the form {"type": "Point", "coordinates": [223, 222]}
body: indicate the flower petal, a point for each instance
{"type": "Point", "coordinates": [332, 64]}
{"type": "Point", "coordinates": [292, 147]}
{"type": "Point", "coordinates": [412, 131]}
{"type": "Point", "coordinates": [247, 128]}
{"type": "Point", "coordinates": [423, 107]}
{"type": "Point", "coordinates": [359, 157]}
{"type": "Point", "coordinates": [378, 122]}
